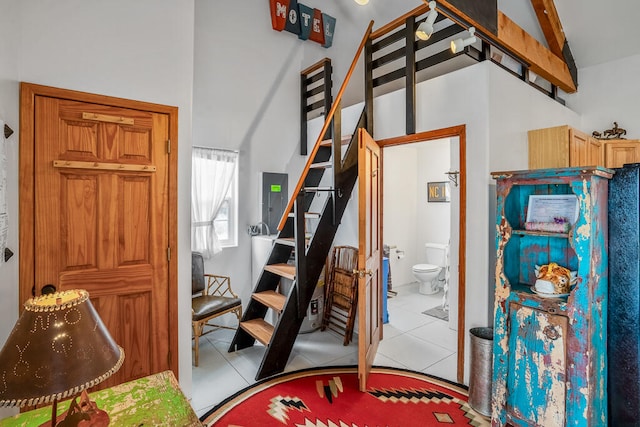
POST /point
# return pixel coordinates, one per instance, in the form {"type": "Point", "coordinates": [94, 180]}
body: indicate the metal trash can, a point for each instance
{"type": "Point", "coordinates": [480, 379]}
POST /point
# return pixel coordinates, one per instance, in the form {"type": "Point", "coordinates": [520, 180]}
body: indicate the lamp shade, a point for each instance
{"type": "Point", "coordinates": [459, 44]}
{"type": "Point", "coordinates": [424, 31]}
{"type": "Point", "coordinates": [58, 348]}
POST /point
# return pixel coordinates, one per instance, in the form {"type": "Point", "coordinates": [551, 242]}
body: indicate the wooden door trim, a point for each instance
{"type": "Point", "coordinates": [26, 188]}
{"type": "Point", "coordinates": [460, 132]}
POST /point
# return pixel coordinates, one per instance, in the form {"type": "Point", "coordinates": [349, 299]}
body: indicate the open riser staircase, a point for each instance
{"type": "Point", "coordinates": [309, 254]}
{"type": "Point", "coordinates": [299, 252]}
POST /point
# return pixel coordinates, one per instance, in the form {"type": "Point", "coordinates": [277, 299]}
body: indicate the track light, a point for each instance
{"type": "Point", "coordinates": [425, 29]}
{"type": "Point", "coordinates": [362, 2]}
{"type": "Point", "coordinates": [458, 44]}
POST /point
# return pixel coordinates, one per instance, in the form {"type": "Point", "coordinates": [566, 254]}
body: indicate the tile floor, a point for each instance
{"type": "Point", "coordinates": [412, 340]}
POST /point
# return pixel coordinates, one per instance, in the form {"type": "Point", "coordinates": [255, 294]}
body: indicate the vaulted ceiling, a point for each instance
{"type": "Point", "coordinates": [575, 33]}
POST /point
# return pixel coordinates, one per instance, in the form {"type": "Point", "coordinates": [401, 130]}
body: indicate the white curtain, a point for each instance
{"type": "Point", "coordinates": [211, 175]}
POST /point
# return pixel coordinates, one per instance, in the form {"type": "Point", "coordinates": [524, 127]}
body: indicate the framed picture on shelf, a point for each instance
{"type": "Point", "coordinates": [438, 192]}
{"type": "Point", "coordinates": [552, 212]}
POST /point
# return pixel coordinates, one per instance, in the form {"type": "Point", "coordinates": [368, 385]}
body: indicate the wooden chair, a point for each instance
{"type": "Point", "coordinates": [341, 292]}
{"type": "Point", "coordinates": [212, 297]}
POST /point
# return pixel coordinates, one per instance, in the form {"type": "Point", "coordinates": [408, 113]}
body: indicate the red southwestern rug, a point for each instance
{"type": "Point", "coordinates": [329, 397]}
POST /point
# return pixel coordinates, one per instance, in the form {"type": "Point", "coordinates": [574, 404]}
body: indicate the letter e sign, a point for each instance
{"type": "Point", "coordinates": [317, 27]}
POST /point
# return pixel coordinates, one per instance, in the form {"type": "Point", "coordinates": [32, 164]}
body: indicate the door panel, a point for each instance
{"type": "Point", "coordinates": [101, 220]}
{"type": "Point", "coordinates": [538, 362]}
{"type": "Point", "coordinates": [369, 255]}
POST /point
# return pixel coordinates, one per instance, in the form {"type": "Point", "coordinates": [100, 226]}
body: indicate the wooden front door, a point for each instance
{"type": "Point", "coordinates": [369, 255]}
{"type": "Point", "coordinates": [101, 221]}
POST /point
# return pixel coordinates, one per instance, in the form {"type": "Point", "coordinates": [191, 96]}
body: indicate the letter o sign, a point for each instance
{"type": "Point", "coordinates": [293, 16]}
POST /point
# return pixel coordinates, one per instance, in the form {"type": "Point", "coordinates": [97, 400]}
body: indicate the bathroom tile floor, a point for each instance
{"type": "Point", "coordinates": [412, 340]}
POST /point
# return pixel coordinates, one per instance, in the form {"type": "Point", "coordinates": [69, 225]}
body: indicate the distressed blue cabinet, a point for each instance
{"type": "Point", "coordinates": [550, 355]}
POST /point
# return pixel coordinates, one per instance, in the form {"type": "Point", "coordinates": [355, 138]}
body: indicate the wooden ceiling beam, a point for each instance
{"type": "Point", "coordinates": [517, 41]}
{"type": "Point", "coordinates": [540, 59]}
{"type": "Point", "coordinates": [550, 24]}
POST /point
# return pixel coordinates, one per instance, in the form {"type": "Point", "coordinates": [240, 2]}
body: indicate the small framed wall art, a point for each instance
{"type": "Point", "coordinates": [438, 192]}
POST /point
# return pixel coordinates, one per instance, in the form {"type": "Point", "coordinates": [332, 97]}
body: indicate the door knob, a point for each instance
{"type": "Point", "coordinates": [551, 332]}
{"type": "Point", "coordinates": [361, 273]}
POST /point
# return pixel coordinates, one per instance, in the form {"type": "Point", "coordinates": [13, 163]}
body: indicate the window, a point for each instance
{"type": "Point", "coordinates": [214, 200]}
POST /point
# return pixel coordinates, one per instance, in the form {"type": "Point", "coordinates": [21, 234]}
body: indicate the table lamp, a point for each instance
{"type": "Point", "coordinates": [58, 348]}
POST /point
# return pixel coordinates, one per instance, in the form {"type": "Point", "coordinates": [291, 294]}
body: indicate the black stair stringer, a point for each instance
{"type": "Point", "coordinates": [267, 281]}
{"type": "Point", "coordinates": [277, 353]}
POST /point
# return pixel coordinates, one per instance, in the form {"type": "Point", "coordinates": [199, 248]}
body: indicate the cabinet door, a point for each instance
{"type": "Point", "coordinates": [618, 153]}
{"type": "Point", "coordinates": [549, 148]}
{"type": "Point", "coordinates": [537, 368]}
{"type": "Point", "coordinates": [579, 148]}
{"type": "Point", "coordinates": [595, 155]}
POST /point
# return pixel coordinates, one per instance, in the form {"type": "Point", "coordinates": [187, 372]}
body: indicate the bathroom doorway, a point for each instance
{"type": "Point", "coordinates": [406, 196]}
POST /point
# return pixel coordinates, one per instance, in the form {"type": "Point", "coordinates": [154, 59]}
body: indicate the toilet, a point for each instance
{"type": "Point", "coordinates": [432, 274]}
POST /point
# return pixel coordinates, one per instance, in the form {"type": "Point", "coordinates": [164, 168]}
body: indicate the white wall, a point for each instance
{"type": "Point", "coordinates": [409, 220]}
{"type": "Point", "coordinates": [609, 92]}
{"type": "Point", "coordinates": [400, 186]}
{"type": "Point", "coordinates": [434, 218]}
{"type": "Point", "coordinates": [9, 112]}
{"type": "Point", "coordinates": [140, 50]}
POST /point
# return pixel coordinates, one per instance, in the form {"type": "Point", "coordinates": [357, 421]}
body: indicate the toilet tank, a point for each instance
{"type": "Point", "coordinates": [437, 254]}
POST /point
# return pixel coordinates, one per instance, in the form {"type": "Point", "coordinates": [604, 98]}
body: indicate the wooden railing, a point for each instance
{"type": "Point", "coordinates": [319, 75]}
{"type": "Point", "coordinates": [325, 127]}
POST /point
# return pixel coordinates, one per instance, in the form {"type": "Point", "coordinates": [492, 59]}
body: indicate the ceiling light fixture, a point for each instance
{"type": "Point", "coordinates": [425, 29]}
{"type": "Point", "coordinates": [458, 44]}
{"type": "Point", "coordinates": [362, 2]}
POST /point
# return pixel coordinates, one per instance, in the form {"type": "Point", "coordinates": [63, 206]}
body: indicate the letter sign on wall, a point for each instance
{"type": "Point", "coordinates": [293, 18]}
{"type": "Point", "coordinates": [306, 22]}
{"type": "Point", "coordinates": [438, 192]}
{"type": "Point", "coordinates": [279, 14]}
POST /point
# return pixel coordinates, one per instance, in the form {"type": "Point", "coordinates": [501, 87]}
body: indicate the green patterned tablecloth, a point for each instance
{"type": "Point", "coordinates": [155, 400]}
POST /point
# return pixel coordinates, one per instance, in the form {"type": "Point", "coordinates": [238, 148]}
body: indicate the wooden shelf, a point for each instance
{"type": "Point", "coordinates": [271, 299]}
{"type": "Point", "coordinates": [285, 270]}
{"type": "Point", "coordinates": [259, 329]}
{"type": "Point", "coordinates": [540, 233]}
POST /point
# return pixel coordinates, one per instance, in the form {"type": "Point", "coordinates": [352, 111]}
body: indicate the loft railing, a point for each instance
{"type": "Point", "coordinates": [394, 55]}
{"type": "Point", "coordinates": [315, 96]}
{"type": "Point", "coordinates": [396, 41]}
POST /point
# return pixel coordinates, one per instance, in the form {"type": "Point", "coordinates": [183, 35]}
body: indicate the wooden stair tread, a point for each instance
{"type": "Point", "coordinates": [287, 241]}
{"type": "Point", "coordinates": [311, 189]}
{"type": "Point", "coordinates": [321, 165]}
{"type": "Point", "coordinates": [307, 214]}
{"type": "Point", "coordinates": [343, 141]}
{"type": "Point", "coordinates": [259, 329]}
{"type": "Point", "coordinates": [284, 270]}
{"type": "Point", "coordinates": [272, 299]}
{"type": "Point", "coordinates": [290, 241]}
